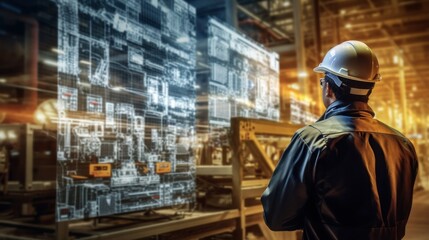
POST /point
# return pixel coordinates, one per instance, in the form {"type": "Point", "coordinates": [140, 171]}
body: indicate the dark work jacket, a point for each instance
{"type": "Point", "coordinates": [347, 176]}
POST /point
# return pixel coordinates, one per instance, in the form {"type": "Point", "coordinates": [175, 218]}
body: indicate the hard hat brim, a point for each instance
{"type": "Point", "coordinates": [322, 69]}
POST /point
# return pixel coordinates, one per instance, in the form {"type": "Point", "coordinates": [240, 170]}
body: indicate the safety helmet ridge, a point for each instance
{"type": "Point", "coordinates": [353, 60]}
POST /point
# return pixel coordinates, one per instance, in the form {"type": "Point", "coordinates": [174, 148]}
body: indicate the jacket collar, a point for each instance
{"type": "Point", "coordinates": [353, 109]}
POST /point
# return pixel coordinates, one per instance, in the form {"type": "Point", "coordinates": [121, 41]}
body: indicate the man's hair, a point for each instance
{"type": "Point", "coordinates": [343, 92]}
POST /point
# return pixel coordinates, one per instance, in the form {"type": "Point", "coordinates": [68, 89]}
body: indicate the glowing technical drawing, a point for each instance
{"type": "Point", "coordinates": [244, 77]}
{"type": "Point", "coordinates": [126, 104]}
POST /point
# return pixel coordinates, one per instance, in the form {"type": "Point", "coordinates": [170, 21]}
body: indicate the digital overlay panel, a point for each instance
{"type": "Point", "coordinates": [126, 106]}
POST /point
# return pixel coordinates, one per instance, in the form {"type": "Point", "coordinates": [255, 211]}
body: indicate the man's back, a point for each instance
{"type": "Point", "coordinates": [358, 177]}
{"type": "Point", "coordinates": [363, 182]}
{"type": "Point", "coordinates": [347, 176]}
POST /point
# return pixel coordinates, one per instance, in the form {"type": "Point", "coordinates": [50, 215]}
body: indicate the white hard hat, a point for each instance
{"type": "Point", "coordinates": [353, 60]}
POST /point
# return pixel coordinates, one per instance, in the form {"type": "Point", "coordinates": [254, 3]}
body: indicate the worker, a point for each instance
{"type": "Point", "coordinates": [348, 175]}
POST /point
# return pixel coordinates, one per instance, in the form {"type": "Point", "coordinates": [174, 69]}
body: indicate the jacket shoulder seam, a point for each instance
{"type": "Point", "coordinates": [305, 142]}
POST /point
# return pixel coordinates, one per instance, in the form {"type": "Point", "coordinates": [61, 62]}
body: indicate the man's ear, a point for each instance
{"type": "Point", "coordinates": [329, 93]}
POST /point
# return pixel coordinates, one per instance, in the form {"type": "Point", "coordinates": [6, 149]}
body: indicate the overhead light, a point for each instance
{"type": "Point", "coordinates": [57, 50]}
{"type": "Point", "coordinates": [11, 135]}
{"type": "Point", "coordinates": [342, 12]}
{"type": "Point", "coordinates": [85, 62]}
{"type": "Point", "coordinates": [40, 117]}
{"type": "Point", "coordinates": [348, 26]}
{"type": "Point", "coordinates": [294, 86]}
{"type": "Point", "coordinates": [395, 59]}
{"type": "Point", "coordinates": [46, 114]}
{"type": "Point", "coordinates": [286, 4]}
{"type": "Point", "coordinates": [2, 80]}
{"type": "Point", "coordinates": [50, 62]}
{"type": "Point", "coordinates": [118, 89]}
{"type": "Point", "coordinates": [302, 74]}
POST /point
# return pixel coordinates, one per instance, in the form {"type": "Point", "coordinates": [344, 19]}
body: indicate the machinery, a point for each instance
{"type": "Point", "coordinates": [255, 147]}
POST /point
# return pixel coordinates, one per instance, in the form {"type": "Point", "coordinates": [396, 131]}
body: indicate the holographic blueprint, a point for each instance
{"type": "Point", "coordinates": [126, 106]}
{"type": "Point", "coordinates": [243, 80]}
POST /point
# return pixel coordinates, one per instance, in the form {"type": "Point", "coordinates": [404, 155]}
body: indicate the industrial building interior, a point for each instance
{"type": "Point", "coordinates": [168, 154]}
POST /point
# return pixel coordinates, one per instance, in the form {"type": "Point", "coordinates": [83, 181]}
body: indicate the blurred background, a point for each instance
{"type": "Point", "coordinates": [303, 31]}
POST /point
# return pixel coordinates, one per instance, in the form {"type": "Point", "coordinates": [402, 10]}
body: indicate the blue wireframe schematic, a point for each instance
{"type": "Point", "coordinates": [126, 106]}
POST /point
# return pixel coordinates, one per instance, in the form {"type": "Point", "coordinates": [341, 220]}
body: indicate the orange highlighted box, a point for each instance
{"type": "Point", "coordinates": [163, 167]}
{"type": "Point", "coordinates": [100, 170]}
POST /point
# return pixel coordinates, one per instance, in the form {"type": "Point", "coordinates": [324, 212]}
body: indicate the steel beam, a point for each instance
{"type": "Point", "coordinates": [283, 48]}
{"type": "Point", "coordinates": [211, 170]}
{"type": "Point", "coordinates": [300, 47]}
{"type": "Point", "coordinates": [388, 19]}
{"type": "Point", "coordinates": [147, 230]}
{"type": "Point", "coordinates": [231, 12]}
{"type": "Point", "coordinates": [268, 25]}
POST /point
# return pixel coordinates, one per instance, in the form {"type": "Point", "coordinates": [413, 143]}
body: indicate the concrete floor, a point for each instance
{"type": "Point", "coordinates": [418, 224]}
